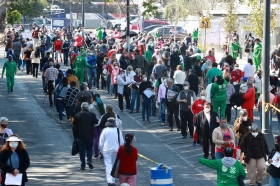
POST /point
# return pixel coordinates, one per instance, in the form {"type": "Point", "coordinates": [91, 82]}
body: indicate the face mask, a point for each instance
{"type": "Point", "coordinates": [186, 88]}
{"type": "Point", "coordinates": [202, 97]}
{"type": "Point", "coordinates": [13, 144]}
{"type": "Point", "coordinates": [144, 79]}
{"type": "Point", "coordinates": [223, 125]}
{"type": "Point", "coordinates": [207, 110]}
{"type": "Point", "coordinates": [236, 68]}
{"type": "Point", "coordinates": [116, 67]}
{"type": "Point", "coordinates": [3, 125]}
{"type": "Point", "coordinates": [122, 75]}
{"type": "Point", "coordinates": [244, 118]}
{"type": "Point", "coordinates": [255, 134]}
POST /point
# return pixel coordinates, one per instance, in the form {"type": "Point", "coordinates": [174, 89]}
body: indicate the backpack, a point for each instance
{"type": "Point", "coordinates": [118, 122]}
{"type": "Point", "coordinates": [99, 106]}
{"type": "Point", "coordinates": [236, 100]}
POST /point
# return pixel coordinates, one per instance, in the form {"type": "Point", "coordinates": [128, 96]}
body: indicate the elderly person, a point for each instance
{"type": "Point", "coordinates": [109, 142]}
{"type": "Point", "coordinates": [255, 148]}
{"type": "Point", "coordinates": [179, 77]}
{"type": "Point", "coordinates": [136, 80]}
{"type": "Point", "coordinates": [223, 136]}
{"type": "Point", "coordinates": [186, 98]}
{"type": "Point", "coordinates": [230, 90]}
{"type": "Point", "coordinates": [242, 124]}
{"type": "Point", "coordinates": [114, 74]}
{"type": "Point", "coordinates": [4, 131]}
{"type": "Point", "coordinates": [14, 159]}
{"type": "Point", "coordinates": [122, 82]}
{"type": "Point", "coordinates": [161, 100]}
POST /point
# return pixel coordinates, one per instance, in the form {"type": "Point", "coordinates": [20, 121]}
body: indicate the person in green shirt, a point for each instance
{"type": "Point", "coordinates": [195, 35]}
{"type": "Point", "coordinates": [11, 69]}
{"type": "Point", "coordinates": [99, 34]}
{"type": "Point", "coordinates": [257, 55]}
{"type": "Point", "coordinates": [219, 93]}
{"type": "Point", "coordinates": [212, 72]}
{"type": "Point", "coordinates": [235, 47]}
{"type": "Point", "coordinates": [148, 54]}
{"type": "Point", "coordinates": [79, 65]}
{"type": "Point", "coordinates": [228, 169]}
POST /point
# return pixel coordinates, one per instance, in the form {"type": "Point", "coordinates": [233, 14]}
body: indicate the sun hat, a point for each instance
{"type": "Point", "coordinates": [13, 138]}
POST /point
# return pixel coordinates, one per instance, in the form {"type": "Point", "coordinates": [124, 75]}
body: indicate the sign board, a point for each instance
{"type": "Point", "coordinates": [205, 23]}
{"type": "Point", "coordinates": [58, 22]}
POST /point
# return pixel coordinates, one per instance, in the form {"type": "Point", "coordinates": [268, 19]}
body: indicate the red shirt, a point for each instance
{"type": "Point", "coordinates": [212, 58]}
{"type": "Point", "coordinates": [276, 99]}
{"type": "Point", "coordinates": [249, 97]}
{"type": "Point", "coordinates": [127, 162]}
{"type": "Point", "coordinates": [57, 45]}
{"type": "Point", "coordinates": [73, 57]}
{"type": "Point", "coordinates": [35, 34]}
{"type": "Point", "coordinates": [236, 75]}
{"type": "Point", "coordinates": [78, 41]}
{"type": "Point", "coordinates": [198, 106]}
{"type": "Point", "coordinates": [111, 52]}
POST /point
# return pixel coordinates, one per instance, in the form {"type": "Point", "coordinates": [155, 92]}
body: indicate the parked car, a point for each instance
{"type": "Point", "coordinates": [142, 24]}
{"type": "Point", "coordinates": [150, 28]}
{"type": "Point", "coordinates": [165, 32]}
{"type": "Point", "coordinates": [120, 23]}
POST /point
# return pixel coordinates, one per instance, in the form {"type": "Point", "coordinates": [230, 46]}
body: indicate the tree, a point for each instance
{"type": "Point", "coordinates": [201, 8]}
{"type": "Point", "coordinates": [28, 8]}
{"type": "Point", "coordinates": [150, 9]}
{"type": "Point", "coordinates": [229, 21]}
{"type": "Point", "coordinates": [13, 16]}
{"type": "Point", "coordinates": [255, 18]}
{"type": "Point", "coordinates": [173, 7]}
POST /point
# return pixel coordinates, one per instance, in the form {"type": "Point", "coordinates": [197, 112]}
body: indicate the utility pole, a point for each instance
{"type": "Point", "coordinates": [265, 78]}
{"type": "Point", "coordinates": [71, 18]}
{"type": "Point", "coordinates": [127, 27]}
{"type": "Point", "coordinates": [83, 14]}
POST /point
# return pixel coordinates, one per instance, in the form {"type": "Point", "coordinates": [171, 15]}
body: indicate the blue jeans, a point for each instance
{"type": "Point", "coordinates": [85, 145]}
{"type": "Point", "coordinates": [60, 108]}
{"type": "Point", "coordinates": [219, 155]}
{"type": "Point", "coordinates": [274, 181]}
{"type": "Point", "coordinates": [23, 63]}
{"type": "Point", "coordinates": [270, 119]}
{"type": "Point", "coordinates": [109, 86]}
{"type": "Point", "coordinates": [146, 107]}
{"type": "Point", "coordinates": [135, 96]}
{"type": "Point", "coordinates": [65, 56]}
{"type": "Point", "coordinates": [44, 81]}
{"type": "Point", "coordinates": [92, 74]}
{"type": "Point", "coordinates": [161, 112]}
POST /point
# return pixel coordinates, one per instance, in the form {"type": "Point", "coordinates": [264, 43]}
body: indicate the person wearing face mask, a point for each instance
{"type": "Point", "coordinates": [179, 77]}
{"type": "Point", "coordinates": [11, 69]}
{"type": "Point", "coordinates": [258, 81]}
{"type": "Point", "coordinates": [218, 90]}
{"type": "Point", "coordinates": [235, 47]}
{"type": "Point", "coordinates": [236, 76]}
{"type": "Point", "coordinates": [91, 72]}
{"type": "Point", "coordinates": [161, 100]}
{"type": "Point", "coordinates": [223, 137]}
{"type": "Point", "coordinates": [255, 148]}
{"type": "Point", "coordinates": [4, 131]}
{"type": "Point", "coordinates": [137, 79]}
{"type": "Point", "coordinates": [122, 82]}
{"type": "Point", "coordinates": [230, 90]}
{"type": "Point", "coordinates": [146, 101]}
{"type": "Point", "coordinates": [186, 98]}
{"type": "Point", "coordinates": [241, 125]}
{"type": "Point", "coordinates": [197, 107]}
{"type": "Point", "coordinates": [274, 172]}
{"type": "Point", "coordinates": [206, 121]}
{"type": "Point", "coordinates": [273, 80]}
{"type": "Point", "coordinates": [114, 74]}
{"type": "Point", "coordinates": [257, 55]}
{"type": "Point", "coordinates": [35, 36]}
{"type": "Point", "coordinates": [14, 159]}
{"type": "Point", "coordinates": [174, 62]}
{"type": "Point", "coordinates": [249, 98]}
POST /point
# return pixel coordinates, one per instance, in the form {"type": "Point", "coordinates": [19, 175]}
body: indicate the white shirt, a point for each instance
{"type": "Point", "coordinates": [129, 76]}
{"type": "Point", "coordinates": [208, 92]}
{"type": "Point", "coordinates": [28, 44]}
{"type": "Point", "coordinates": [179, 77]}
{"type": "Point", "coordinates": [249, 70]}
{"type": "Point", "coordinates": [158, 56]}
{"type": "Point", "coordinates": [207, 116]}
{"type": "Point", "coordinates": [258, 83]}
{"type": "Point", "coordinates": [108, 141]}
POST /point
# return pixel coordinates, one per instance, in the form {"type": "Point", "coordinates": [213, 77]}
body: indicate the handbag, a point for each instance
{"type": "Point", "coordinates": [116, 166]}
{"type": "Point", "coordinates": [240, 180]}
{"type": "Point", "coordinates": [75, 147]}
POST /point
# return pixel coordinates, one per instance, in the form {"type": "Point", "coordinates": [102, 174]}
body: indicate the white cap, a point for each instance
{"type": "Point", "coordinates": [13, 138]}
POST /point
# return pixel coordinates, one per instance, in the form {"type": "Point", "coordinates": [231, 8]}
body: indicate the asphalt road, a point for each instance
{"type": "Point", "coordinates": [49, 143]}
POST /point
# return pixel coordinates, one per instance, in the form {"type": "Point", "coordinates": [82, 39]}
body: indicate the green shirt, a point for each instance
{"type": "Point", "coordinates": [195, 34]}
{"type": "Point", "coordinates": [225, 175]}
{"type": "Point", "coordinates": [10, 67]}
{"type": "Point", "coordinates": [80, 64]}
{"type": "Point", "coordinates": [212, 72]}
{"type": "Point", "coordinates": [257, 50]}
{"type": "Point", "coordinates": [148, 55]}
{"type": "Point", "coordinates": [219, 92]}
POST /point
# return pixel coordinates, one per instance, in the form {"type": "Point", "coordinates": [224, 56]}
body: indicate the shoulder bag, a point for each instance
{"type": "Point", "coordinates": [75, 147]}
{"type": "Point", "coordinates": [116, 166]}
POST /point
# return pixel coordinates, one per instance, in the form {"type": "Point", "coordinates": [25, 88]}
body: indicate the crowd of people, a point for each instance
{"type": "Point", "coordinates": [156, 77]}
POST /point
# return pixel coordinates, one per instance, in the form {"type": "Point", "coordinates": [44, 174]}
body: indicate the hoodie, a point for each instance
{"type": "Point", "coordinates": [218, 90]}
{"type": "Point", "coordinates": [227, 169]}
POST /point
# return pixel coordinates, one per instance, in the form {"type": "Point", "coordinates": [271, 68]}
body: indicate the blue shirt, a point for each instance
{"type": "Point", "coordinates": [14, 160]}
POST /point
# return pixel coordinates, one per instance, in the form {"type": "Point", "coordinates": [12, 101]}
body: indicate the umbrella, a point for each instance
{"type": "Point", "coordinates": [131, 34]}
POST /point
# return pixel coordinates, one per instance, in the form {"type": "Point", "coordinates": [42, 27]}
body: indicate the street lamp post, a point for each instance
{"type": "Point", "coordinates": [83, 14]}
{"type": "Point", "coordinates": [265, 78]}
{"type": "Point", "coordinates": [127, 27]}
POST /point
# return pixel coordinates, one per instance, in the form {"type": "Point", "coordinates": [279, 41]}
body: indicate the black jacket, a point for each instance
{"type": "Point", "coordinates": [204, 130]}
{"type": "Point", "coordinates": [174, 101]}
{"type": "Point", "coordinates": [104, 120]}
{"type": "Point", "coordinates": [272, 170]}
{"type": "Point", "coordinates": [124, 62]}
{"type": "Point", "coordinates": [24, 163]}
{"type": "Point", "coordinates": [83, 126]}
{"type": "Point", "coordinates": [194, 82]}
{"type": "Point", "coordinates": [174, 61]}
{"type": "Point", "coordinates": [246, 146]}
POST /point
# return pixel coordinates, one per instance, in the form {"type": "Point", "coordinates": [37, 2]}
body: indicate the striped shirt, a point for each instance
{"type": "Point", "coordinates": [71, 95]}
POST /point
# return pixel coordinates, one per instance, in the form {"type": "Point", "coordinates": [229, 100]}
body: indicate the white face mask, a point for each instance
{"type": "Point", "coordinates": [144, 79]}
{"type": "Point", "coordinates": [116, 67]}
{"type": "Point", "coordinates": [186, 88]}
{"type": "Point", "coordinates": [244, 118]}
{"type": "Point", "coordinates": [236, 68]}
{"type": "Point", "coordinates": [13, 144]}
{"type": "Point", "coordinates": [207, 110]}
{"type": "Point", "coordinates": [255, 134]}
{"type": "Point", "coordinates": [202, 97]}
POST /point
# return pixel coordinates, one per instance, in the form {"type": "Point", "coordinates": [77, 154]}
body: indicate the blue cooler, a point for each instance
{"type": "Point", "coordinates": [161, 176]}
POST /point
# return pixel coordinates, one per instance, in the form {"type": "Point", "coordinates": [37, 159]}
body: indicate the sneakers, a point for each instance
{"type": "Point", "coordinates": [193, 143]}
{"type": "Point", "coordinates": [82, 168]}
{"type": "Point", "coordinates": [64, 113]}
{"type": "Point", "coordinates": [90, 165]}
